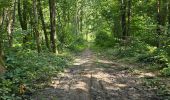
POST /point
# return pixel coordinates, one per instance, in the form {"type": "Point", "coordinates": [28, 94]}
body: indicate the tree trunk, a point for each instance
{"type": "Point", "coordinates": [53, 25]}
{"type": "Point", "coordinates": [168, 18]}
{"type": "Point", "coordinates": [158, 23]}
{"type": "Point", "coordinates": [11, 22]}
{"type": "Point", "coordinates": [36, 26]}
{"type": "Point", "coordinates": [2, 64]}
{"type": "Point", "coordinates": [25, 7]}
{"type": "Point", "coordinates": [123, 19]}
{"type": "Point", "coordinates": [20, 14]}
{"type": "Point", "coordinates": [81, 18]}
{"type": "Point", "coordinates": [129, 17]}
{"type": "Point", "coordinates": [76, 19]}
{"type": "Point", "coordinates": [23, 18]}
{"type": "Point", "coordinates": [43, 24]}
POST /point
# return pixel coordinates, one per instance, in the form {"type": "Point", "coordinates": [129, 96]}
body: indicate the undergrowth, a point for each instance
{"type": "Point", "coordinates": [26, 71]}
{"type": "Point", "coordinates": [150, 58]}
{"type": "Point", "coordinates": [78, 45]}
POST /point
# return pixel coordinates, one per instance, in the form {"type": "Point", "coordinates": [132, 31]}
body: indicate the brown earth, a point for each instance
{"type": "Point", "coordinates": [96, 78]}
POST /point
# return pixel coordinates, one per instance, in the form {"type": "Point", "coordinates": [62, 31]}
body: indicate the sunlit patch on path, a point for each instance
{"type": "Point", "coordinates": [93, 78]}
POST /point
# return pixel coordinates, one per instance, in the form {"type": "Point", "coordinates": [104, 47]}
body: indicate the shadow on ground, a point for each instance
{"type": "Point", "coordinates": [93, 78]}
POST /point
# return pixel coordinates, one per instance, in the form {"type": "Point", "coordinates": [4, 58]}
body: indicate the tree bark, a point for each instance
{"type": "Point", "coordinates": [2, 64]}
{"type": "Point", "coordinates": [11, 22]}
{"type": "Point", "coordinates": [36, 26]}
{"type": "Point", "coordinates": [52, 7]}
{"type": "Point", "coordinates": [158, 23]}
{"type": "Point", "coordinates": [81, 18]}
{"type": "Point", "coordinates": [20, 14]}
{"type": "Point", "coordinates": [129, 17]}
{"type": "Point", "coordinates": [123, 19]}
{"type": "Point", "coordinates": [23, 18]}
{"type": "Point", "coordinates": [43, 23]}
{"type": "Point", "coordinates": [168, 18]}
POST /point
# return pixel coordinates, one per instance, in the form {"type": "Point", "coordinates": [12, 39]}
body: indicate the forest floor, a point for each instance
{"type": "Point", "coordinates": [93, 77]}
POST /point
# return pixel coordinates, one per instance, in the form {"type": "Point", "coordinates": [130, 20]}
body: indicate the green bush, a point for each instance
{"type": "Point", "coordinates": [28, 68]}
{"type": "Point", "coordinates": [157, 57]}
{"type": "Point", "coordinates": [166, 71]}
{"type": "Point", "coordinates": [78, 45]}
{"type": "Point", "coordinates": [144, 53]}
{"type": "Point", "coordinates": [133, 49]}
{"type": "Point", "coordinates": [104, 40]}
{"type": "Point", "coordinates": [167, 49]}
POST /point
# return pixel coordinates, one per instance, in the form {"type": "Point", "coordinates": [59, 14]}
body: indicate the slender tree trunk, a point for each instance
{"type": "Point", "coordinates": [25, 7]}
{"type": "Point", "coordinates": [9, 26]}
{"type": "Point", "coordinates": [81, 18]}
{"type": "Point", "coordinates": [20, 14]}
{"type": "Point", "coordinates": [158, 23]}
{"type": "Point", "coordinates": [129, 17]}
{"type": "Point", "coordinates": [77, 18]}
{"type": "Point", "coordinates": [23, 18]}
{"type": "Point", "coordinates": [63, 25]}
{"type": "Point", "coordinates": [43, 24]}
{"type": "Point", "coordinates": [36, 26]}
{"type": "Point", "coordinates": [52, 8]}
{"type": "Point", "coordinates": [168, 18]}
{"type": "Point", "coordinates": [2, 64]}
{"type": "Point", "coordinates": [123, 20]}
{"type": "Point", "coordinates": [11, 22]}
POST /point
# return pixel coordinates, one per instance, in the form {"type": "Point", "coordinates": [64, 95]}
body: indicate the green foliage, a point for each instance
{"type": "Point", "coordinates": [159, 57]}
{"type": "Point", "coordinates": [77, 45]}
{"type": "Point", "coordinates": [104, 40]}
{"type": "Point", "coordinates": [131, 49]}
{"type": "Point", "coordinates": [166, 71]}
{"type": "Point", "coordinates": [28, 67]}
{"type": "Point", "coordinates": [141, 52]}
{"type": "Point", "coordinates": [167, 49]}
{"type": "Point", "coordinates": [159, 85]}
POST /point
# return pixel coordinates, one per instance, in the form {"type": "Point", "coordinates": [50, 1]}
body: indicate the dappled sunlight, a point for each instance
{"type": "Point", "coordinates": [80, 85]}
{"type": "Point", "coordinates": [102, 76]}
{"type": "Point", "coordinates": [104, 61]}
{"type": "Point", "coordinates": [120, 85]}
{"type": "Point", "coordinates": [142, 74]}
{"type": "Point", "coordinates": [80, 61]}
{"type": "Point", "coordinates": [101, 80]}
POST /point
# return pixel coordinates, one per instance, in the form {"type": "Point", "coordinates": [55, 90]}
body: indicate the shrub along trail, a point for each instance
{"type": "Point", "coordinates": [96, 78]}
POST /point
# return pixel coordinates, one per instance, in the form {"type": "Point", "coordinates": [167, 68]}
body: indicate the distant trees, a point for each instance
{"type": "Point", "coordinates": [51, 25]}
{"type": "Point", "coordinates": [59, 22]}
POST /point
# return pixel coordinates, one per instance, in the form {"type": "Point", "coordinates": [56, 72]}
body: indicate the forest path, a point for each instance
{"type": "Point", "coordinates": [96, 78]}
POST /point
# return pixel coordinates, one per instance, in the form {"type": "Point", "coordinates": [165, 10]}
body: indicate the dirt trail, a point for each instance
{"type": "Point", "coordinates": [95, 78]}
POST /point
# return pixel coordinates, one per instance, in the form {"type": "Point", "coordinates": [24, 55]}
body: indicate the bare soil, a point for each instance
{"type": "Point", "coordinates": [97, 78]}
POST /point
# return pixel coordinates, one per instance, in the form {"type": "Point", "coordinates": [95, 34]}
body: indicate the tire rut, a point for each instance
{"type": "Point", "coordinates": [91, 80]}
